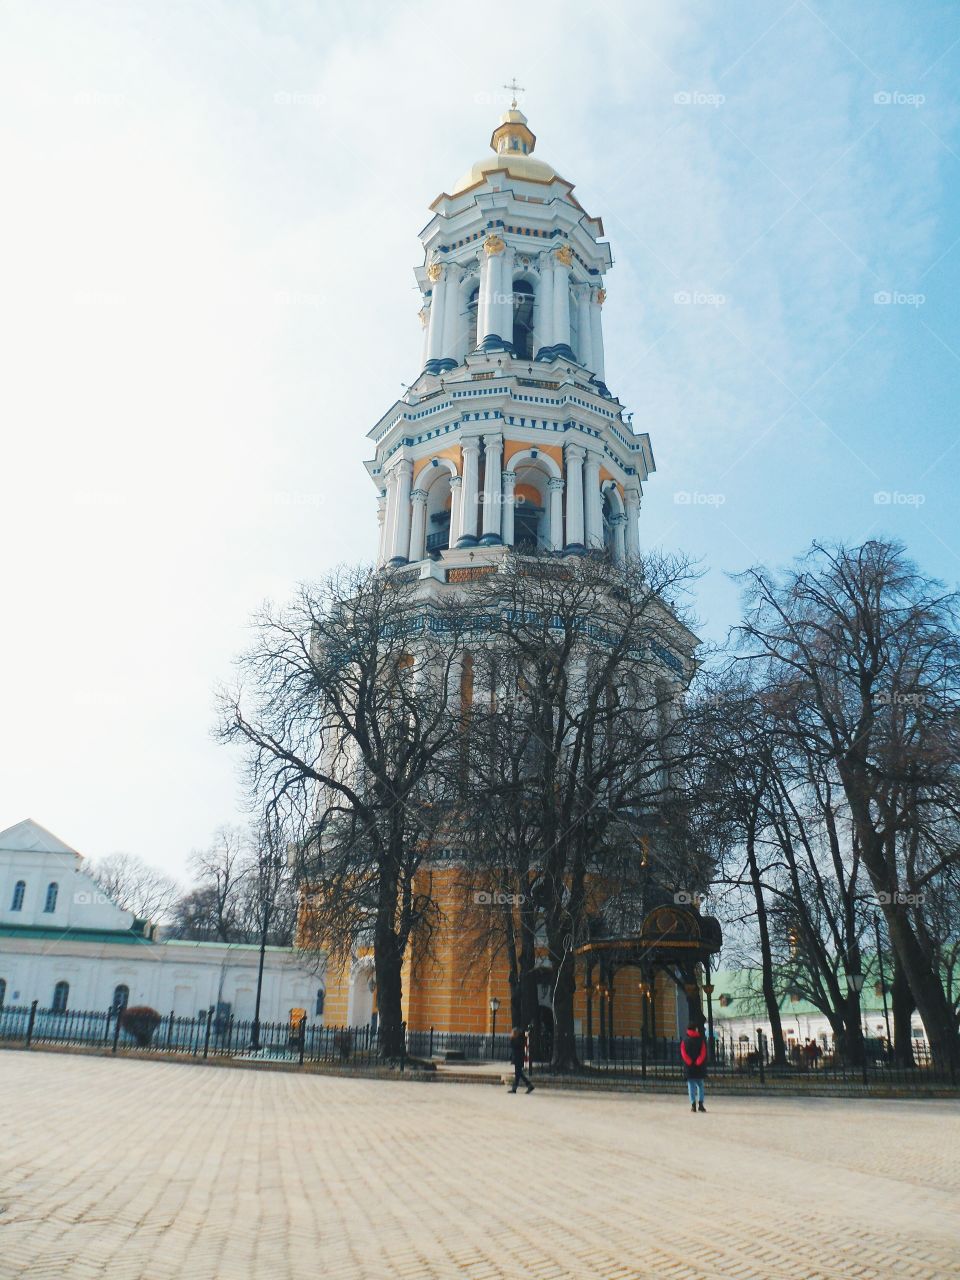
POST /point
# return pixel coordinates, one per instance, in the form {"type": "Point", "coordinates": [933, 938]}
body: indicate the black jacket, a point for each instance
{"type": "Point", "coordinates": [518, 1050]}
{"type": "Point", "coordinates": [693, 1052]}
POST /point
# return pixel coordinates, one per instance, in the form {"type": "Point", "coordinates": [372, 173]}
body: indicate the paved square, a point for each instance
{"type": "Point", "coordinates": [162, 1171]}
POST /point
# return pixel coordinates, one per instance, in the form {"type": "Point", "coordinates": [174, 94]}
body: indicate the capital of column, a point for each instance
{"type": "Point", "coordinates": [631, 498]}
{"type": "Point", "coordinates": [456, 482]}
{"type": "Point", "coordinates": [563, 255]}
{"type": "Point", "coordinates": [470, 445]}
{"type": "Point", "coordinates": [493, 245]}
{"type": "Point", "coordinates": [419, 495]}
{"type": "Point", "coordinates": [434, 272]}
{"type": "Point", "coordinates": [575, 452]}
{"type": "Point", "coordinates": [555, 484]}
{"type": "Point", "coordinates": [509, 477]}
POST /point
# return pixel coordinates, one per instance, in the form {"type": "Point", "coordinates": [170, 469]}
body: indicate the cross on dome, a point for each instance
{"type": "Point", "coordinates": [514, 89]}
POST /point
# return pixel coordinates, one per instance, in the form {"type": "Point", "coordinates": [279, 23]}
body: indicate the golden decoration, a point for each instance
{"type": "Point", "coordinates": [601, 296]}
{"type": "Point", "coordinates": [434, 271]}
{"type": "Point", "coordinates": [565, 255]}
{"type": "Point", "coordinates": [493, 245]}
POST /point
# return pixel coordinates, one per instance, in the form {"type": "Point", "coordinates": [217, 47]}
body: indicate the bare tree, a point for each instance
{"type": "Point", "coordinates": [136, 886]}
{"type": "Point", "coordinates": [594, 659]}
{"type": "Point", "coordinates": [351, 732]}
{"type": "Point", "coordinates": [865, 654]}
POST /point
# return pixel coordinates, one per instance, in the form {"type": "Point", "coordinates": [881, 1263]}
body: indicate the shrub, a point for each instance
{"type": "Point", "coordinates": [140, 1022]}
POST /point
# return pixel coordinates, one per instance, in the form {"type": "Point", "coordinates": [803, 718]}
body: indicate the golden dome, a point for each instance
{"type": "Point", "coordinates": [512, 143]}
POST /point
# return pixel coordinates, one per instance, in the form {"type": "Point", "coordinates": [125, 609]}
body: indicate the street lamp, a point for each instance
{"type": "Point", "coordinates": [494, 1006]}
{"type": "Point", "coordinates": [855, 982]}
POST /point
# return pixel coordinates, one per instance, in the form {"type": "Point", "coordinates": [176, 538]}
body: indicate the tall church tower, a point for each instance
{"type": "Point", "coordinates": [509, 435]}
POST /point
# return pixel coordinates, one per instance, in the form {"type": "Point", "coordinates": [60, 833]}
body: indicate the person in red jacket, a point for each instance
{"type": "Point", "coordinates": [693, 1051]}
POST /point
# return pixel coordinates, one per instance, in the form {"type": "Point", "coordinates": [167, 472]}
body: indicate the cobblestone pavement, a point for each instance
{"type": "Point", "coordinates": [161, 1171]}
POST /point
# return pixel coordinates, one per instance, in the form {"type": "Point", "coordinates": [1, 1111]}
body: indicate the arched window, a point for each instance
{"type": "Point", "coordinates": [61, 993]}
{"type": "Point", "coordinates": [51, 900]}
{"type": "Point", "coordinates": [3, 991]}
{"type": "Point", "coordinates": [19, 889]}
{"type": "Point", "coordinates": [121, 998]}
{"type": "Point", "coordinates": [320, 998]}
{"type": "Point", "coordinates": [523, 319]}
{"type": "Point", "coordinates": [473, 306]}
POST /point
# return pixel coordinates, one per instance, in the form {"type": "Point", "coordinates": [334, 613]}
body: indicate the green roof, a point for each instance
{"type": "Point", "coordinates": [45, 933]}
{"type": "Point", "coordinates": [746, 995]}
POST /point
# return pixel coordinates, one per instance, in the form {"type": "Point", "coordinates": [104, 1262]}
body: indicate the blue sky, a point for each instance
{"type": "Point", "coordinates": [210, 226]}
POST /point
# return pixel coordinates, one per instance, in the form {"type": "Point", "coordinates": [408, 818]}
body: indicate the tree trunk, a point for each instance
{"type": "Point", "coordinates": [766, 954]}
{"type": "Point", "coordinates": [903, 1006]}
{"type": "Point", "coordinates": [938, 1018]}
{"type": "Point", "coordinates": [564, 1038]}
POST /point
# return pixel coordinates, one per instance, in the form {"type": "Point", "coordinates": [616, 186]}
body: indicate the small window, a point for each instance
{"type": "Point", "coordinates": [121, 998]}
{"type": "Point", "coordinates": [61, 993]}
{"type": "Point", "coordinates": [320, 998]}
{"type": "Point", "coordinates": [3, 991]}
{"type": "Point", "coordinates": [51, 900]}
{"type": "Point", "coordinates": [19, 889]}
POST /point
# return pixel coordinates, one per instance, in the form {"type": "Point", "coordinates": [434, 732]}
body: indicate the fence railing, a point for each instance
{"type": "Point", "coordinates": [604, 1056]}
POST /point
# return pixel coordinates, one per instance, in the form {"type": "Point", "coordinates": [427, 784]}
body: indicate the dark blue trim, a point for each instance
{"type": "Point", "coordinates": [468, 540]}
{"type": "Point", "coordinates": [560, 352]}
{"type": "Point", "coordinates": [439, 366]}
{"type": "Point", "coordinates": [491, 540]}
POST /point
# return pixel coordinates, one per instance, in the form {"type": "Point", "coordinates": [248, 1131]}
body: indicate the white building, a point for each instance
{"type": "Point", "coordinates": [65, 944]}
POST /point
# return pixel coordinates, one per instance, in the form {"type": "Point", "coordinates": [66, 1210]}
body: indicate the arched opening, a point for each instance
{"type": "Point", "coordinates": [19, 889]}
{"type": "Point", "coordinates": [436, 481]}
{"type": "Point", "coordinates": [121, 998]}
{"type": "Point", "coordinates": [473, 306]}
{"type": "Point", "coordinates": [3, 991]}
{"type": "Point", "coordinates": [50, 903]}
{"type": "Point", "coordinates": [523, 319]}
{"type": "Point", "coordinates": [318, 1008]}
{"type": "Point", "coordinates": [529, 525]}
{"type": "Point", "coordinates": [609, 512]}
{"type": "Point", "coordinates": [61, 994]}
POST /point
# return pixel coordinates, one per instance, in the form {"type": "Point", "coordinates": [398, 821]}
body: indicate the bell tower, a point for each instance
{"type": "Point", "coordinates": [509, 436]}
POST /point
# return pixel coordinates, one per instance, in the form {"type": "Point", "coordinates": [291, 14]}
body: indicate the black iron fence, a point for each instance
{"type": "Point", "coordinates": [608, 1057]}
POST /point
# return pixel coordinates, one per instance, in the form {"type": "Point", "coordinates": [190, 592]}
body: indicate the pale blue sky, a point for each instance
{"type": "Point", "coordinates": [209, 229]}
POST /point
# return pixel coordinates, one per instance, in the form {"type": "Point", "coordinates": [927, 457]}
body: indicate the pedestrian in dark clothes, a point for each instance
{"type": "Point", "coordinates": [693, 1051]}
{"type": "Point", "coordinates": [518, 1046]}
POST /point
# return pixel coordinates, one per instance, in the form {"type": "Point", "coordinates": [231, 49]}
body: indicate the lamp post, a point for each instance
{"type": "Point", "coordinates": [494, 1006]}
{"type": "Point", "coordinates": [760, 1053]}
{"type": "Point", "coordinates": [855, 982]}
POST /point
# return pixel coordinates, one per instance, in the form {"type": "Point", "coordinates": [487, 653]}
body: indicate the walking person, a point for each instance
{"type": "Point", "coordinates": [518, 1045]}
{"type": "Point", "coordinates": [693, 1051]}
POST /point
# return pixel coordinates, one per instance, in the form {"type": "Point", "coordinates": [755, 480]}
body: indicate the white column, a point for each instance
{"type": "Point", "coordinates": [543, 336]}
{"type": "Point", "coordinates": [468, 496]}
{"type": "Point", "coordinates": [561, 296]}
{"type": "Point", "coordinates": [593, 510]}
{"type": "Point", "coordinates": [401, 525]}
{"type": "Point", "coordinates": [455, 485]}
{"type": "Point", "coordinates": [418, 526]}
{"type": "Point", "coordinates": [506, 524]}
{"type": "Point", "coordinates": [504, 322]}
{"type": "Point", "coordinates": [574, 461]}
{"type": "Point", "coordinates": [425, 323]}
{"type": "Point", "coordinates": [451, 314]}
{"type": "Point", "coordinates": [493, 248]}
{"type": "Point", "coordinates": [584, 330]}
{"type": "Point", "coordinates": [619, 542]}
{"type": "Point", "coordinates": [390, 518]}
{"type": "Point", "coordinates": [435, 335]}
{"type": "Point", "coordinates": [555, 487]}
{"type": "Point", "coordinates": [382, 522]}
{"type": "Point", "coordinates": [596, 333]}
{"type": "Point", "coordinates": [493, 448]}
{"type": "Point", "coordinates": [631, 531]}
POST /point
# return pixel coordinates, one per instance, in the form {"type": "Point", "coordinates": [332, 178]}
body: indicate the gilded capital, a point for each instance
{"type": "Point", "coordinates": [493, 245]}
{"type": "Point", "coordinates": [434, 272]}
{"type": "Point", "coordinates": [564, 255]}
{"type": "Point", "coordinates": [601, 296]}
